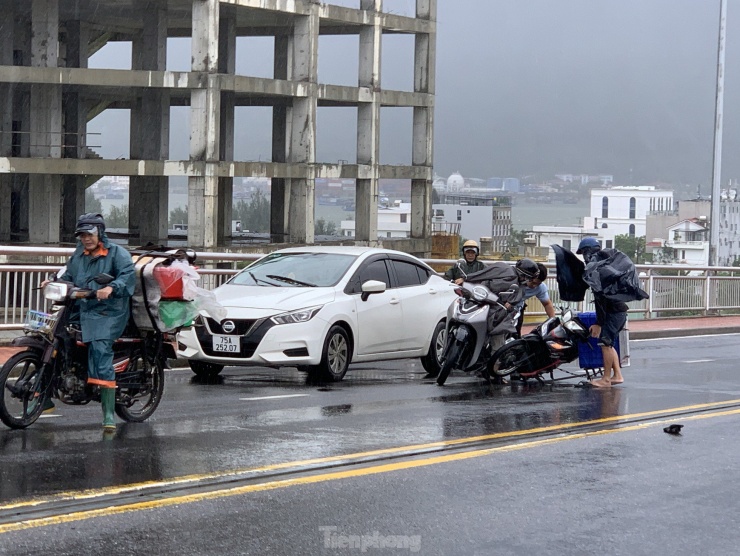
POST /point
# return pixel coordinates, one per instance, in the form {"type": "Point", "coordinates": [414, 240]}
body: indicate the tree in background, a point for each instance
{"type": "Point", "coordinates": [516, 241]}
{"type": "Point", "coordinates": [91, 203]}
{"type": "Point", "coordinates": [178, 215]}
{"type": "Point", "coordinates": [117, 217]}
{"type": "Point", "coordinates": [323, 228]}
{"type": "Point", "coordinates": [633, 247]}
{"type": "Point", "coordinates": [255, 215]}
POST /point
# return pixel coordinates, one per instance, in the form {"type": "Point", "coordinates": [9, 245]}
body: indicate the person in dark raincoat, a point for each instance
{"type": "Point", "coordinates": [508, 282]}
{"type": "Point", "coordinates": [613, 280]}
{"type": "Point", "coordinates": [470, 265]}
{"type": "Point", "coordinates": [104, 318]}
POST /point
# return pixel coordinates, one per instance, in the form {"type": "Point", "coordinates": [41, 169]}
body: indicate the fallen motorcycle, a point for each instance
{"type": "Point", "coordinates": [541, 351]}
{"type": "Point", "coordinates": [52, 363]}
{"type": "Point", "coordinates": [467, 339]}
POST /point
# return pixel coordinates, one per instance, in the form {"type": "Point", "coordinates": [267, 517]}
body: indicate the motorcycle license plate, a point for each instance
{"type": "Point", "coordinates": [226, 344]}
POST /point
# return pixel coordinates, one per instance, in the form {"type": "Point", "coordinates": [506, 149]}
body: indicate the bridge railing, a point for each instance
{"type": "Point", "coordinates": [706, 290]}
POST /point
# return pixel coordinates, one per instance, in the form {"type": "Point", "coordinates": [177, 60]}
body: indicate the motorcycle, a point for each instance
{"type": "Point", "coordinates": [467, 340]}
{"type": "Point", "coordinates": [549, 345]}
{"type": "Point", "coordinates": [52, 363]}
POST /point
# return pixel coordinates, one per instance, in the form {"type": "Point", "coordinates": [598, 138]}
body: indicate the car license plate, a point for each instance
{"type": "Point", "coordinates": [227, 344]}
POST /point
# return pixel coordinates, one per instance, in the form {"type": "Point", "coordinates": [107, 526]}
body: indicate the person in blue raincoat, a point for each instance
{"type": "Point", "coordinates": [104, 318]}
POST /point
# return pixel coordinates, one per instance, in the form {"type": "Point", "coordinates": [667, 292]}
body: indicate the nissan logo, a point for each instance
{"type": "Point", "coordinates": [228, 326]}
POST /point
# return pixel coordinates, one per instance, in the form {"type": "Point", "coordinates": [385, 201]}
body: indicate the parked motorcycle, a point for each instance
{"type": "Point", "coordinates": [52, 363]}
{"type": "Point", "coordinates": [544, 349]}
{"type": "Point", "coordinates": [467, 339]}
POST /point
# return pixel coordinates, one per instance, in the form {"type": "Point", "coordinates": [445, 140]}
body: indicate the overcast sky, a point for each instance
{"type": "Point", "coordinates": [524, 87]}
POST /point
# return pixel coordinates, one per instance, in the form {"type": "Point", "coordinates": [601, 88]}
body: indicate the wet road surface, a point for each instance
{"type": "Point", "coordinates": [254, 418]}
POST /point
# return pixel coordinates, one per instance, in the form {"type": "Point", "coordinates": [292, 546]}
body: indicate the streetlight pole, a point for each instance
{"type": "Point", "coordinates": [718, 120]}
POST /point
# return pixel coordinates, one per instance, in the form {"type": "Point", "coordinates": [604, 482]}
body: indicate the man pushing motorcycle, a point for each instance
{"type": "Point", "coordinates": [508, 283]}
{"type": "Point", "coordinates": [104, 318]}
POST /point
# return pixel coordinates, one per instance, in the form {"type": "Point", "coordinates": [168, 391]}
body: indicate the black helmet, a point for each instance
{"type": "Point", "coordinates": [89, 222]}
{"type": "Point", "coordinates": [527, 269]}
{"type": "Point", "coordinates": [588, 243]}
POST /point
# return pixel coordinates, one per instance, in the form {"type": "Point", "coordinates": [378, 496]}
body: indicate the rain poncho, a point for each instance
{"type": "Point", "coordinates": [501, 279]}
{"type": "Point", "coordinates": [105, 319]}
{"type": "Point", "coordinates": [611, 274]}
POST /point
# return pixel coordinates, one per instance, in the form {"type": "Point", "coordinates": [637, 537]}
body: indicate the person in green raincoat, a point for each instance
{"type": "Point", "coordinates": [104, 318]}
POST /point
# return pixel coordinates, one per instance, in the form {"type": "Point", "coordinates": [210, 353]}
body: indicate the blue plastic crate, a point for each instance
{"type": "Point", "coordinates": [589, 353]}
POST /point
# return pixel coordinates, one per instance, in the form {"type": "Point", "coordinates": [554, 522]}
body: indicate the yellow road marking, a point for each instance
{"type": "Point", "coordinates": [324, 477]}
{"type": "Point", "coordinates": [133, 487]}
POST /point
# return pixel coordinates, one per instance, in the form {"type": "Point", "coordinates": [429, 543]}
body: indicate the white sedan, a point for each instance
{"type": "Point", "coordinates": [320, 308]}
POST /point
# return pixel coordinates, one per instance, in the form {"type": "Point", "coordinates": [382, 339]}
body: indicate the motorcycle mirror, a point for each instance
{"type": "Point", "coordinates": [103, 279]}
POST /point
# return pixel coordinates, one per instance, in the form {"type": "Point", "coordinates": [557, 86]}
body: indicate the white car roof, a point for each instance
{"type": "Point", "coordinates": [340, 250]}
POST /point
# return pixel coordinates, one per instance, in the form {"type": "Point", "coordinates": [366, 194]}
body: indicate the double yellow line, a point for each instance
{"type": "Point", "coordinates": [351, 458]}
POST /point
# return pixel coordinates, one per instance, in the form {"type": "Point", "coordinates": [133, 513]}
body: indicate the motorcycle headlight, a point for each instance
{"type": "Point", "coordinates": [55, 291]}
{"type": "Point", "coordinates": [480, 293]}
{"type": "Point", "coordinates": [302, 315]}
{"type": "Point", "coordinates": [573, 326]}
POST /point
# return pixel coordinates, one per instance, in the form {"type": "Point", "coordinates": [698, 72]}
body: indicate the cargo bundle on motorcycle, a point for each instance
{"type": "Point", "coordinates": [166, 295]}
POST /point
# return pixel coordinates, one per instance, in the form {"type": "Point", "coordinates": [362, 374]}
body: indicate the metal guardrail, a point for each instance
{"type": "Point", "coordinates": [714, 289]}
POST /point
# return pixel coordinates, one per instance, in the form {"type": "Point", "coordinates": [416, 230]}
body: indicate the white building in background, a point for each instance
{"type": "Point", "coordinates": [623, 210]}
{"type": "Point", "coordinates": [614, 211]}
{"type": "Point", "coordinates": [728, 247]}
{"type": "Point", "coordinates": [688, 241]}
{"type": "Point", "coordinates": [394, 221]}
{"type": "Point", "coordinates": [543, 238]}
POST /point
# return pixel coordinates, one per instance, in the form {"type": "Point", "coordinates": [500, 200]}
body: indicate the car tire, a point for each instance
{"type": "Point", "coordinates": [432, 361]}
{"type": "Point", "coordinates": [335, 357]}
{"type": "Point", "coordinates": [205, 370]}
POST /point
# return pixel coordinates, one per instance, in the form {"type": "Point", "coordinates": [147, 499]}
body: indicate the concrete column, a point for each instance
{"type": "Point", "coordinates": [75, 128]}
{"type": "Point", "coordinates": [205, 110]}
{"type": "Point", "coordinates": [422, 139]}
{"type": "Point", "coordinates": [368, 126]}
{"type": "Point", "coordinates": [281, 114]}
{"type": "Point", "coordinates": [150, 130]}
{"type": "Point", "coordinates": [303, 125]}
{"type": "Point", "coordinates": [226, 65]}
{"type": "Point", "coordinates": [6, 116]}
{"type": "Point", "coordinates": [45, 190]}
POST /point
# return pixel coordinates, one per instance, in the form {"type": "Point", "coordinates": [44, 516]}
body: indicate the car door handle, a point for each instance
{"type": "Point", "coordinates": [432, 291]}
{"type": "Point", "coordinates": [395, 301]}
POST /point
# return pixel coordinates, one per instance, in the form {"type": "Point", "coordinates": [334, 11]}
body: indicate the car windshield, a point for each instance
{"type": "Point", "coordinates": [295, 269]}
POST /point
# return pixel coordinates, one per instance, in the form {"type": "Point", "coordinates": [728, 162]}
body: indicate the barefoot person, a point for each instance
{"type": "Point", "coordinates": [611, 316]}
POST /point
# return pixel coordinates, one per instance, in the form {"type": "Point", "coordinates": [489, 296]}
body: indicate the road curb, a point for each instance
{"type": "Point", "coordinates": [680, 332]}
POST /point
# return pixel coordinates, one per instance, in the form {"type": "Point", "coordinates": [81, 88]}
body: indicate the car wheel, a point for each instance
{"type": "Point", "coordinates": [335, 357]}
{"type": "Point", "coordinates": [432, 361]}
{"type": "Point", "coordinates": [205, 370]}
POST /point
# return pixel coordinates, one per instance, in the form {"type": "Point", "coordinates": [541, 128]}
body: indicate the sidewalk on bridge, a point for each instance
{"type": "Point", "coordinates": [673, 327]}
{"type": "Point", "coordinates": [639, 330]}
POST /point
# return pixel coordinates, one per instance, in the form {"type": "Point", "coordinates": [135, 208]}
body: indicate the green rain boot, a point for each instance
{"type": "Point", "coordinates": [108, 401]}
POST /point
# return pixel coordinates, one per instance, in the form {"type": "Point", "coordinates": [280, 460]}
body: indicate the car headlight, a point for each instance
{"type": "Point", "coordinates": [55, 291]}
{"type": "Point", "coordinates": [302, 315]}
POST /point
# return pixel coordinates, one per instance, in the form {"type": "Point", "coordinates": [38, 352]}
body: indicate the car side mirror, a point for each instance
{"type": "Point", "coordinates": [371, 287]}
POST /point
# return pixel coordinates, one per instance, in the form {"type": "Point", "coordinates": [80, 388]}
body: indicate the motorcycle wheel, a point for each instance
{"type": "Point", "coordinates": [432, 361]}
{"type": "Point", "coordinates": [139, 391]}
{"type": "Point", "coordinates": [509, 358]}
{"type": "Point", "coordinates": [453, 356]}
{"type": "Point", "coordinates": [20, 411]}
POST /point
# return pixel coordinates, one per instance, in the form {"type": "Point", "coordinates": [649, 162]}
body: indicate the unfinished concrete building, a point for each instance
{"type": "Point", "coordinates": [49, 95]}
